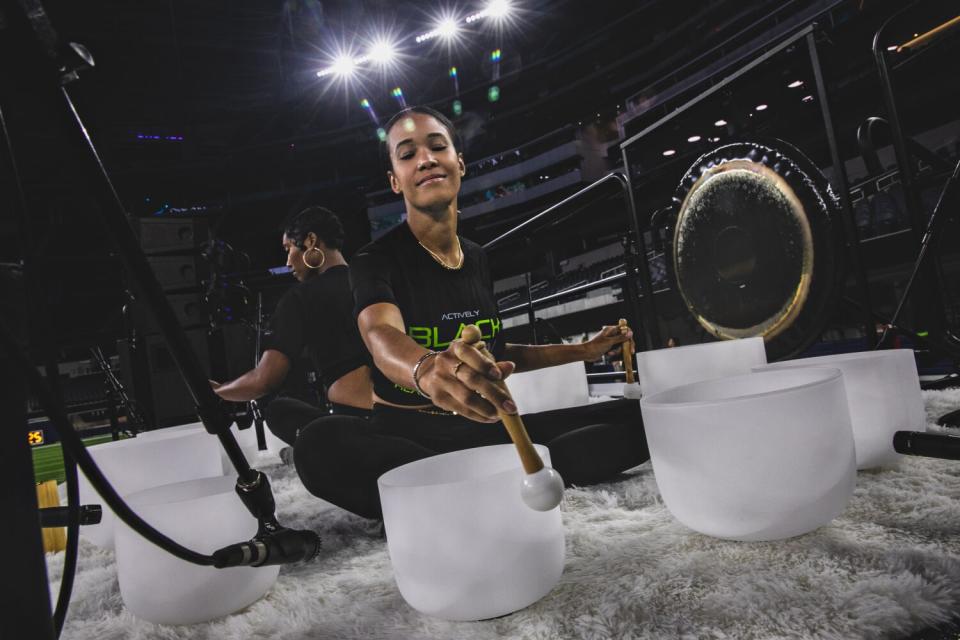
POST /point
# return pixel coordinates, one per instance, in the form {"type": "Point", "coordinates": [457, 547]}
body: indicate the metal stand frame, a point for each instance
{"type": "Point", "coordinates": [644, 315]}
{"type": "Point", "coordinates": [840, 182]}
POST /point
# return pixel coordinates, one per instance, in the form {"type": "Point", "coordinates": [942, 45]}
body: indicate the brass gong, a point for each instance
{"type": "Point", "coordinates": [756, 245]}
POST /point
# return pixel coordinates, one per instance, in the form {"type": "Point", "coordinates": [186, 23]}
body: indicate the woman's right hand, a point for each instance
{"type": "Point", "coordinates": [472, 389]}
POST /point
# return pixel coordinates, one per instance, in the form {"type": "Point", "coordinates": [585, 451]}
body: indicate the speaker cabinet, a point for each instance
{"type": "Point", "coordinates": [151, 376]}
{"type": "Point", "coordinates": [170, 235]}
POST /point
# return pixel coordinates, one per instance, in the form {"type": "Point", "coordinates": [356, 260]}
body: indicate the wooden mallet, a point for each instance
{"type": "Point", "coordinates": [542, 487]}
{"type": "Point", "coordinates": [627, 354]}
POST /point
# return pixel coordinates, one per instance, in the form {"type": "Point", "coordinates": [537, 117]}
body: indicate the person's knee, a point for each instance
{"type": "Point", "coordinates": [312, 451]}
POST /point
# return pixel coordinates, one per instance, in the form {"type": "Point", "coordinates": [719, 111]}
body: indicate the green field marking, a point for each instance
{"type": "Point", "coordinates": [48, 459]}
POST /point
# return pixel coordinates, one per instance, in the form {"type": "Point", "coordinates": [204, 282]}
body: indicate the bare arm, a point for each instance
{"type": "Point", "coordinates": [464, 390]}
{"type": "Point", "coordinates": [529, 357]}
{"type": "Point", "coordinates": [267, 376]}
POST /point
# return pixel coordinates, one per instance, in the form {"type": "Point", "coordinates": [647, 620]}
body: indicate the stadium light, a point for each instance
{"type": "Point", "coordinates": [498, 8]}
{"type": "Point", "coordinates": [382, 52]}
{"type": "Point", "coordinates": [447, 28]}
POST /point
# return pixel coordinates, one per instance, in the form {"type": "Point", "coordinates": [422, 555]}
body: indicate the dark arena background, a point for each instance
{"type": "Point", "coordinates": [588, 130]}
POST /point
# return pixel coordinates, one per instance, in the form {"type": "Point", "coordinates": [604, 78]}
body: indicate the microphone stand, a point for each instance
{"type": "Point", "coordinates": [60, 64]}
{"type": "Point", "coordinates": [116, 390]}
{"type": "Point", "coordinates": [254, 407]}
{"type": "Point", "coordinates": [948, 196]}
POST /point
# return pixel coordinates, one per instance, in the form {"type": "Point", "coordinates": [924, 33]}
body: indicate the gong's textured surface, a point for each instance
{"type": "Point", "coordinates": [756, 245]}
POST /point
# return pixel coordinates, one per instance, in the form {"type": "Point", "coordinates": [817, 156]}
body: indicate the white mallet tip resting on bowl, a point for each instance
{"type": "Point", "coordinates": [542, 487]}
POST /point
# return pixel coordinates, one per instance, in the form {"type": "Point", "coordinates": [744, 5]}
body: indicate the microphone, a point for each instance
{"type": "Point", "coordinates": [284, 546]}
{"type": "Point", "coordinates": [930, 445]}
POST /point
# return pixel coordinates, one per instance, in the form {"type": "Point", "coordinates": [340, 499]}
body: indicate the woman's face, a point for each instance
{"type": "Point", "coordinates": [295, 256]}
{"type": "Point", "coordinates": [426, 168]}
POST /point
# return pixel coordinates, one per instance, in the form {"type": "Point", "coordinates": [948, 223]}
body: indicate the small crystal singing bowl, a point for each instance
{"type": "Point", "coordinates": [463, 544]}
{"type": "Point", "coordinates": [550, 388]}
{"type": "Point", "coordinates": [203, 515]}
{"type": "Point", "coordinates": [883, 393]}
{"type": "Point", "coordinates": [135, 464]}
{"type": "Point", "coordinates": [762, 456]}
{"type": "Point", "coordinates": [662, 369]}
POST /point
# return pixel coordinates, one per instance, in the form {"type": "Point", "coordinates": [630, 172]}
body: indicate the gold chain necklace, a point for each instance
{"type": "Point", "coordinates": [440, 259]}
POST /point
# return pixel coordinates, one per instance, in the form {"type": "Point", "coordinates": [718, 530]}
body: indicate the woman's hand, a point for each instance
{"type": "Point", "coordinates": [461, 379]}
{"type": "Point", "coordinates": [608, 338]}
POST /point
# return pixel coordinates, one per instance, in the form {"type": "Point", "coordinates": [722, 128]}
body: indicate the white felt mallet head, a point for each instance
{"type": "Point", "coordinates": [542, 487]}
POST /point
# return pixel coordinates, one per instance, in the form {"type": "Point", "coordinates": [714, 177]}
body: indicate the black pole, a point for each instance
{"type": "Point", "coordinates": [928, 305]}
{"type": "Point", "coordinates": [646, 314]}
{"type": "Point", "coordinates": [24, 591]}
{"type": "Point", "coordinates": [111, 209]}
{"type": "Point", "coordinates": [254, 405]}
{"type": "Point", "coordinates": [843, 188]}
{"type": "Point", "coordinates": [531, 313]}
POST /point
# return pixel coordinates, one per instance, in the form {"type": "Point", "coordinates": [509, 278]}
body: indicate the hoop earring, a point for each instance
{"type": "Point", "coordinates": [303, 256]}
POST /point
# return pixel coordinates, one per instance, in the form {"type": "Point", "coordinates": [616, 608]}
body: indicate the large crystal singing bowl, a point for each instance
{"type": "Point", "coordinates": [663, 369]}
{"type": "Point", "coordinates": [463, 544]}
{"type": "Point", "coordinates": [761, 456]}
{"type": "Point", "coordinates": [146, 461]}
{"type": "Point", "coordinates": [550, 388]}
{"type": "Point", "coordinates": [203, 515]}
{"type": "Point", "coordinates": [883, 392]}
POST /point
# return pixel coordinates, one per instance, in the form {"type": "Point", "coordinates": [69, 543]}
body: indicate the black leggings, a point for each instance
{"type": "Point", "coordinates": [286, 416]}
{"type": "Point", "coordinates": [339, 458]}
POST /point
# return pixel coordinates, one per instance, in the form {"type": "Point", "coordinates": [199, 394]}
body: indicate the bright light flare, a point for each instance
{"type": "Point", "coordinates": [693, 139]}
{"type": "Point", "coordinates": [343, 65]}
{"type": "Point", "coordinates": [795, 84]}
{"type": "Point", "coordinates": [498, 8]}
{"type": "Point", "coordinates": [720, 123]}
{"type": "Point", "coordinates": [669, 152]}
{"type": "Point", "coordinates": [448, 28]}
{"type": "Point", "coordinates": [761, 107]}
{"type": "Point", "coordinates": [382, 52]}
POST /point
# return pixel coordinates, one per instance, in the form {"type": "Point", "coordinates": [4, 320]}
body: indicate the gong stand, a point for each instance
{"type": "Point", "coordinates": [807, 36]}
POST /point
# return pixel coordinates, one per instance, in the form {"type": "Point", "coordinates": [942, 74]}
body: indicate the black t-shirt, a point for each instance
{"type": "Point", "coordinates": [436, 303]}
{"type": "Point", "coordinates": [315, 319]}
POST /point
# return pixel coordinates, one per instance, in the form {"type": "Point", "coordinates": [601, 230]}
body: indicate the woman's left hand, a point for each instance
{"type": "Point", "coordinates": [609, 337]}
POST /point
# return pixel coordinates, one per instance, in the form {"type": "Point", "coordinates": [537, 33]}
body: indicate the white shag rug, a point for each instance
{"type": "Point", "coordinates": [888, 566]}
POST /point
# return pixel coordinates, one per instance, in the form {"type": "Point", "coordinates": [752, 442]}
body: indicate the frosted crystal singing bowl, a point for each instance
{"type": "Point", "coordinates": [203, 515]}
{"type": "Point", "coordinates": [883, 393]}
{"type": "Point", "coordinates": [662, 369]}
{"type": "Point", "coordinates": [551, 388]}
{"type": "Point", "coordinates": [761, 456]}
{"type": "Point", "coordinates": [247, 439]}
{"type": "Point", "coordinates": [139, 463]}
{"type": "Point", "coordinates": [462, 543]}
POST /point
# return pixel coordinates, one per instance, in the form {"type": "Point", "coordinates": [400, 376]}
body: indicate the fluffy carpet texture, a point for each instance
{"type": "Point", "coordinates": [888, 566]}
